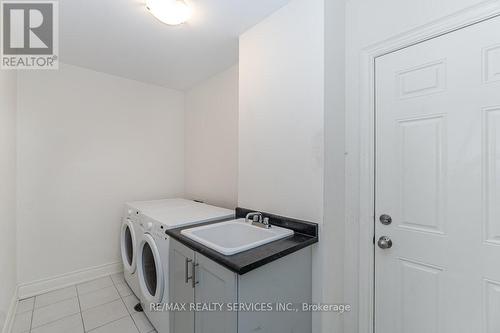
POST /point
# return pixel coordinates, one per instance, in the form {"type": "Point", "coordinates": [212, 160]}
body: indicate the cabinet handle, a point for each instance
{"type": "Point", "coordinates": [186, 268]}
{"type": "Point", "coordinates": [193, 281]}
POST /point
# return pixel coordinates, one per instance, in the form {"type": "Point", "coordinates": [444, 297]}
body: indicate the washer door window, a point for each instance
{"type": "Point", "coordinates": [128, 246]}
{"type": "Point", "coordinates": [150, 270]}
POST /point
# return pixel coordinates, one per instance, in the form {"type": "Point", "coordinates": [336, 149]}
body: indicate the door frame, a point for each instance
{"type": "Point", "coordinates": [366, 130]}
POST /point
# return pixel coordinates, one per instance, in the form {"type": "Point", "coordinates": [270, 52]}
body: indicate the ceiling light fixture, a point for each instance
{"type": "Point", "coordinates": [171, 12]}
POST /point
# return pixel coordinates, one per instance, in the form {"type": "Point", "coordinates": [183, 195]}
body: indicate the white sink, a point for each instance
{"type": "Point", "coordinates": [235, 236]}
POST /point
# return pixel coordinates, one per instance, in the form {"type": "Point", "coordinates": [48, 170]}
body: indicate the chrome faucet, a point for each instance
{"type": "Point", "coordinates": [256, 217]}
{"type": "Point", "coordinates": [257, 220]}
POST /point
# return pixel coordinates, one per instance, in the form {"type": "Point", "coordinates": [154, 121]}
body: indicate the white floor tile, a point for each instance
{"type": "Point", "coordinates": [99, 297]}
{"type": "Point", "coordinates": [53, 312]}
{"type": "Point", "coordinates": [94, 285]}
{"type": "Point", "coordinates": [25, 305]}
{"type": "Point", "coordinates": [71, 324]}
{"type": "Point", "coordinates": [142, 322]}
{"type": "Point", "coordinates": [103, 314]}
{"type": "Point", "coordinates": [22, 322]}
{"type": "Point", "coordinates": [55, 297]}
{"type": "Point", "coordinates": [118, 278]}
{"type": "Point", "coordinates": [123, 289]}
{"type": "Point", "coordinates": [124, 325]}
{"type": "Point", "coordinates": [130, 302]}
{"type": "Point", "coordinates": [102, 310]}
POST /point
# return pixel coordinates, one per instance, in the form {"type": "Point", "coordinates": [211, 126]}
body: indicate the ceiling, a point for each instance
{"type": "Point", "coordinates": [120, 37]}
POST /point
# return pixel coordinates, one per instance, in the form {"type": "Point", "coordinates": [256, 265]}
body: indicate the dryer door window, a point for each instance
{"type": "Point", "coordinates": [128, 246]}
{"type": "Point", "coordinates": [129, 249]}
{"type": "Point", "coordinates": [149, 268]}
{"type": "Point", "coordinates": [151, 278]}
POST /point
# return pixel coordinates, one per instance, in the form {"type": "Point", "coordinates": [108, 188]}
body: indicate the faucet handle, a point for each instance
{"type": "Point", "coordinates": [256, 217]}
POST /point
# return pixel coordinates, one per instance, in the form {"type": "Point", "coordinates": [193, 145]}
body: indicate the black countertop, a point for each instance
{"type": "Point", "coordinates": [305, 234]}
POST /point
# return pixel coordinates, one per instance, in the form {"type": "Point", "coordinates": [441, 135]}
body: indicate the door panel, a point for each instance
{"type": "Point", "coordinates": [181, 291]}
{"type": "Point", "coordinates": [419, 297]}
{"type": "Point", "coordinates": [437, 161]}
{"type": "Point", "coordinates": [491, 306]}
{"type": "Point", "coordinates": [492, 181]}
{"type": "Point", "coordinates": [421, 170]}
{"type": "Point", "coordinates": [491, 61]}
{"type": "Point", "coordinates": [216, 284]}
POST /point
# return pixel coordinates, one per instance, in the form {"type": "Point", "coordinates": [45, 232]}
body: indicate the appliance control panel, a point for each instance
{"type": "Point", "coordinates": [161, 230]}
{"type": "Point", "coordinates": [133, 214]}
{"type": "Point", "coordinates": [156, 229]}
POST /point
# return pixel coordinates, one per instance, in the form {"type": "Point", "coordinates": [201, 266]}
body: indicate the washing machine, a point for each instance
{"type": "Point", "coordinates": [153, 253]}
{"type": "Point", "coordinates": [128, 243]}
{"type": "Point", "coordinates": [131, 232]}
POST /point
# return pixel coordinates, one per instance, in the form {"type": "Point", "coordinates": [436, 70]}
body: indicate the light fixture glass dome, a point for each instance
{"type": "Point", "coordinates": [171, 12]}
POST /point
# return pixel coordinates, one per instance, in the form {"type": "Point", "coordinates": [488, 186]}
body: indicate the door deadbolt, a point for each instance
{"type": "Point", "coordinates": [385, 219]}
{"type": "Point", "coordinates": [384, 242]}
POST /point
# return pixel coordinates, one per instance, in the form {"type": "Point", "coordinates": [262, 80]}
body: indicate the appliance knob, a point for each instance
{"type": "Point", "coordinates": [149, 225]}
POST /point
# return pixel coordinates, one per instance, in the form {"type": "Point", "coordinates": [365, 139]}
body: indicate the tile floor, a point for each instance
{"type": "Point", "coordinates": [105, 305]}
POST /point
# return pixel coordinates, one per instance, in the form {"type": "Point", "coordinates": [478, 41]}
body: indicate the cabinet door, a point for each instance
{"type": "Point", "coordinates": [215, 284]}
{"type": "Point", "coordinates": [181, 288]}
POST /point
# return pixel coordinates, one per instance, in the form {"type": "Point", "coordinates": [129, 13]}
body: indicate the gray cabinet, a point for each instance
{"type": "Point", "coordinates": [196, 279]}
{"type": "Point", "coordinates": [181, 290]}
{"type": "Point", "coordinates": [215, 284]}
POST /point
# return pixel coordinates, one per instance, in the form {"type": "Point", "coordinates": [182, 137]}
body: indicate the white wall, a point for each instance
{"type": "Point", "coordinates": [370, 22]}
{"type": "Point", "coordinates": [332, 241]}
{"type": "Point", "coordinates": [281, 112]}
{"type": "Point", "coordinates": [8, 264]}
{"type": "Point", "coordinates": [212, 140]}
{"type": "Point", "coordinates": [291, 158]}
{"type": "Point", "coordinates": [87, 143]}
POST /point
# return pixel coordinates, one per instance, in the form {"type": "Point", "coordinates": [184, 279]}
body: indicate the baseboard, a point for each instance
{"type": "Point", "coordinates": [11, 314]}
{"type": "Point", "coordinates": [65, 280]}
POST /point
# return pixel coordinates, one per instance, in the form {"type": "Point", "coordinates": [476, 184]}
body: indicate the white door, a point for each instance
{"type": "Point", "coordinates": [438, 178]}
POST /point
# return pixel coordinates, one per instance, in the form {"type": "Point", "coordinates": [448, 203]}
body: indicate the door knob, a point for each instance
{"type": "Point", "coordinates": [384, 242]}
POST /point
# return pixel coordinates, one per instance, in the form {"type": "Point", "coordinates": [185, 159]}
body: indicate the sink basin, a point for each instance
{"type": "Point", "coordinates": [235, 236]}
